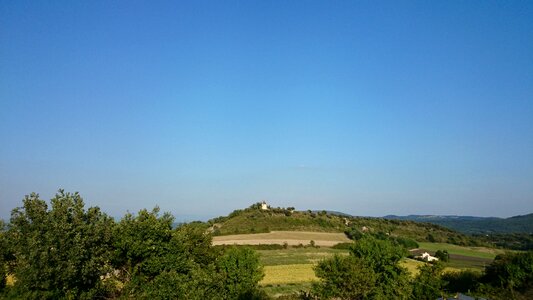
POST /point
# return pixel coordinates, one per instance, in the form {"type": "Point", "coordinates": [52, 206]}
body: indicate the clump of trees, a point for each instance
{"type": "Point", "coordinates": [372, 270]}
{"type": "Point", "coordinates": [68, 252]}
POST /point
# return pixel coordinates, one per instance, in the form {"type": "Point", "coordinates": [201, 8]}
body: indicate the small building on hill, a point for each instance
{"type": "Point", "coordinates": [427, 257]}
{"type": "Point", "coordinates": [264, 205]}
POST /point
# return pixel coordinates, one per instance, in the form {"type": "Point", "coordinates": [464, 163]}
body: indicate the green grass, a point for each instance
{"type": "Point", "coordinates": [291, 256]}
{"type": "Point", "coordinates": [277, 290]}
{"type": "Point", "coordinates": [480, 252]}
{"type": "Point", "coordinates": [289, 271]}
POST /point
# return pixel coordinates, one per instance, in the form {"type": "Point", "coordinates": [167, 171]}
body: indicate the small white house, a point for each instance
{"type": "Point", "coordinates": [427, 257]}
{"type": "Point", "coordinates": [264, 206]}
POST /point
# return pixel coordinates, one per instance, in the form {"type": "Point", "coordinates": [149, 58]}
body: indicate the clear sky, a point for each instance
{"type": "Point", "coordinates": [202, 107]}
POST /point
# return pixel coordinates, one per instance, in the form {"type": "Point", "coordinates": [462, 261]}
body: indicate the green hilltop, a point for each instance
{"type": "Point", "coordinates": [256, 220]}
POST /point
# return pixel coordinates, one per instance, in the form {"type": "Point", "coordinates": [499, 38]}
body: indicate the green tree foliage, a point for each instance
{"type": "Point", "coordinates": [153, 258]}
{"type": "Point", "coordinates": [369, 258]}
{"type": "Point", "coordinates": [442, 255]}
{"type": "Point", "coordinates": [383, 256]}
{"type": "Point", "coordinates": [428, 284]}
{"type": "Point", "coordinates": [3, 256]}
{"type": "Point", "coordinates": [344, 278]}
{"type": "Point", "coordinates": [463, 281]}
{"type": "Point", "coordinates": [59, 252]}
{"type": "Point", "coordinates": [511, 271]}
{"type": "Point", "coordinates": [240, 273]}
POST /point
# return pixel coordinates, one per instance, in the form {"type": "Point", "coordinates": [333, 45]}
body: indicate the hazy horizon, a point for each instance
{"type": "Point", "coordinates": [368, 108]}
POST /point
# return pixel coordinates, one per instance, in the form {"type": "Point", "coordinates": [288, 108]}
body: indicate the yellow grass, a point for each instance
{"type": "Point", "coordinates": [411, 265]}
{"type": "Point", "coordinates": [284, 274]}
{"type": "Point", "coordinates": [325, 239]}
{"type": "Point", "coordinates": [10, 280]}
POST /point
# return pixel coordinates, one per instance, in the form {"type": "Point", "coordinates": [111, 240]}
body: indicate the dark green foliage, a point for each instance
{"type": "Point", "coordinates": [353, 234]}
{"type": "Point", "coordinates": [59, 252]}
{"type": "Point", "coordinates": [153, 257]}
{"type": "Point", "coordinates": [462, 281]}
{"type": "Point", "coordinates": [343, 246]}
{"type": "Point", "coordinates": [514, 241]}
{"type": "Point", "coordinates": [442, 255]}
{"type": "Point", "coordinates": [407, 243]}
{"type": "Point", "coordinates": [3, 256]}
{"type": "Point", "coordinates": [67, 252]}
{"type": "Point", "coordinates": [383, 257]}
{"type": "Point", "coordinates": [511, 271]}
{"type": "Point", "coordinates": [344, 278]}
{"type": "Point", "coordinates": [240, 273]}
{"type": "Point", "coordinates": [255, 220]}
{"type": "Point", "coordinates": [477, 225]}
{"type": "Point", "coordinates": [372, 270]}
{"type": "Point", "coordinates": [428, 284]}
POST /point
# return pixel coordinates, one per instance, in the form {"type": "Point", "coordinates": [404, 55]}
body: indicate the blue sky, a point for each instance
{"type": "Point", "coordinates": [202, 107]}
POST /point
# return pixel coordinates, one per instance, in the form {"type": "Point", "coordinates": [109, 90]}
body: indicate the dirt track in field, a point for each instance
{"type": "Point", "coordinates": [324, 239]}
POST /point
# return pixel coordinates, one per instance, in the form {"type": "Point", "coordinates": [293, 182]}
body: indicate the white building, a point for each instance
{"type": "Point", "coordinates": [427, 257]}
{"type": "Point", "coordinates": [264, 205]}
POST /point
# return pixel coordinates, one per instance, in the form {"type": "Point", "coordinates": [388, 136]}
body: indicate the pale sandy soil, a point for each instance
{"type": "Point", "coordinates": [325, 239]}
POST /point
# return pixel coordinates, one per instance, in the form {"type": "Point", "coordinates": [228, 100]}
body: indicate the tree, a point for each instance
{"type": "Point", "coordinates": [344, 278]}
{"type": "Point", "coordinates": [240, 273]}
{"type": "Point", "coordinates": [59, 252]}
{"type": "Point", "coordinates": [372, 271]}
{"type": "Point", "coordinates": [428, 284]}
{"type": "Point", "coordinates": [3, 256]}
{"type": "Point", "coordinates": [442, 255]}
{"type": "Point", "coordinates": [511, 271]}
{"type": "Point", "coordinates": [158, 261]}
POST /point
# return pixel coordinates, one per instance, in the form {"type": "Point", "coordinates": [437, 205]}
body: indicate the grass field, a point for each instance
{"type": "Point", "coordinates": [286, 274]}
{"type": "Point", "coordinates": [480, 252]}
{"type": "Point", "coordinates": [290, 270]}
{"type": "Point", "coordinates": [291, 256]}
{"type": "Point", "coordinates": [326, 239]}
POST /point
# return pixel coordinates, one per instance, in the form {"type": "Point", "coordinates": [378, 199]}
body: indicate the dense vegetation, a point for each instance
{"type": "Point", "coordinates": [68, 252]}
{"type": "Point", "coordinates": [255, 220]}
{"type": "Point", "coordinates": [477, 225]}
{"type": "Point", "coordinates": [511, 233]}
{"type": "Point", "coordinates": [372, 271]}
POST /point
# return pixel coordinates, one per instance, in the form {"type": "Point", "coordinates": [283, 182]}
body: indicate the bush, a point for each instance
{"type": "Point", "coordinates": [462, 281]}
{"type": "Point", "coordinates": [442, 255]}
{"type": "Point", "coordinates": [344, 278]}
{"type": "Point", "coordinates": [343, 246]}
{"type": "Point", "coordinates": [59, 252]}
{"type": "Point", "coordinates": [240, 273]}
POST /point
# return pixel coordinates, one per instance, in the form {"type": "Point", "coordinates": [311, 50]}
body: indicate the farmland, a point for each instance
{"type": "Point", "coordinates": [291, 270]}
{"type": "Point", "coordinates": [480, 252]}
{"type": "Point", "coordinates": [295, 238]}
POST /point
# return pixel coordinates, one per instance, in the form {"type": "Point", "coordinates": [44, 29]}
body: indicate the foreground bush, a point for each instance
{"type": "Point", "coordinates": [67, 252]}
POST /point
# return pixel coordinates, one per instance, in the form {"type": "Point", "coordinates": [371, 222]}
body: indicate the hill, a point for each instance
{"type": "Point", "coordinates": [256, 220]}
{"type": "Point", "coordinates": [475, 225]}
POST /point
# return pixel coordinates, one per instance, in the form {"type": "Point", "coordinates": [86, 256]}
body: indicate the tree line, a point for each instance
{"type": "Point", "coordinates": [65, 251]}
{"type": "Point", "coordinates": [68, 252]}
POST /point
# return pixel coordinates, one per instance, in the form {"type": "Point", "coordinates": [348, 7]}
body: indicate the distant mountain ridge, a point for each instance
{"type": "Point", "coordinates": [475, 225]}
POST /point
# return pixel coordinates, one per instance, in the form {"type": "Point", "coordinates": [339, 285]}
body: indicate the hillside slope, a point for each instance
{"type": "Point", "coordinates": [476, 225]}
{"type": "Point", "coordinates": [255, 220]}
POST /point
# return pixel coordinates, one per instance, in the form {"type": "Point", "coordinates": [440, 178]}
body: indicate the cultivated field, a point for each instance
{"type": "Point", "coordinates": [480, 252]}
{"type": "Point", "coordinates": [290, 270]}
{"type": "Point", "coordinates": [293, 238]}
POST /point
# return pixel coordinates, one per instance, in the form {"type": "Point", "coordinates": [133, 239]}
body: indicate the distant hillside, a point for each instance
{"type": "Point", "coordinates": [475, 225]}
{"type": "Point", "coordinates": [255, 220]}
